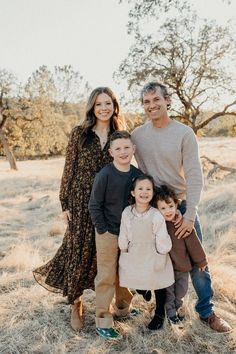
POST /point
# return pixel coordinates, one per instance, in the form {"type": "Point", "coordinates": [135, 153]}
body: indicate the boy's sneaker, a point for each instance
{"type": "Point", "coordinates": [108, 333]}
{"type": "Point", "coordinates": [174, 320]}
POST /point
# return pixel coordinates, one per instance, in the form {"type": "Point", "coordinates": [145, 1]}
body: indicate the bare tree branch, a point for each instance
{"type": "Point", "coordinates": [216, 167]}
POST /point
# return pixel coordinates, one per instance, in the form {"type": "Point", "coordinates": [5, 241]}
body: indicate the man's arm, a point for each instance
{"type": "Point", "coordinates": [194, 182]}
{"type": "Point", "coordinates": [96, 203]}
{"type": "Point", "coordinates": [196, 250]}
{"type": "Point", "coordinates": [192, 173]}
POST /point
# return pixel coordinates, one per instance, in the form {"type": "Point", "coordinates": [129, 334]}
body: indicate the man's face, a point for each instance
{"type": "Point", "coordinates": [122, 151]}
{"type": "Point", "coordinates": [155, 104]}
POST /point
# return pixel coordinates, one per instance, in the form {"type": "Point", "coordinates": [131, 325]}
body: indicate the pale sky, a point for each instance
{"type": "Point", "coordinates": [90, 35]}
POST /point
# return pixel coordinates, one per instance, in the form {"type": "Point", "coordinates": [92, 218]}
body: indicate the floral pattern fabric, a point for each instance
{"type": "Point", "coordinates": [73, 268]}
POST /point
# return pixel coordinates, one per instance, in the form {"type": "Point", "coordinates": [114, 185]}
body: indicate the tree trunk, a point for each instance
{"type": "Point", "coordinates": [9, 154]}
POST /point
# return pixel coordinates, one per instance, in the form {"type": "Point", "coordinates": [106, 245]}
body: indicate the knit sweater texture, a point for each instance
{"type": "Point", "coordinates": [109, 196]}
{"type": "Point", "coordinates": [186, 251]}
{"type": "Point", "coordinates": [170, 155]}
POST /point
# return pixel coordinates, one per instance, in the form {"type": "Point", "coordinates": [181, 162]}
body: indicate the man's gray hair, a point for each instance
{"type": "Point", "coordinates": [152, 87]}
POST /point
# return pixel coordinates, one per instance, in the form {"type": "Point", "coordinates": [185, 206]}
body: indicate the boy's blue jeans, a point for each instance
{"type": "Point", "coordinates": [201, 280]}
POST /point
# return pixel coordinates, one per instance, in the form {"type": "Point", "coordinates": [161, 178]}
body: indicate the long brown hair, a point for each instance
{"type": "Point", "coordinates": [90, 118]}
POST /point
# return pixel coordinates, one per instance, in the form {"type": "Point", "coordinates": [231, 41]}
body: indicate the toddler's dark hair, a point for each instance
{"type": "Point", "coordinates": [142, 178]}
{"type": "Point", "coordinates": [165, 193]}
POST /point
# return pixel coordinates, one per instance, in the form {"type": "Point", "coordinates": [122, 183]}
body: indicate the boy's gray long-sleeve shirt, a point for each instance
{"type": "Point", "coordinates": [109, 197]}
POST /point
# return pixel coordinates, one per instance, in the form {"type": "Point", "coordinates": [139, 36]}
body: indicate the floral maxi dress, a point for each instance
{"type": "Point", "coordinates": [73, 268]}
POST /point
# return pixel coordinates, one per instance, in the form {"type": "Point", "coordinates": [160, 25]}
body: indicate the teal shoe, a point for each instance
{"type": "Point", "coordinates": [108, 333]}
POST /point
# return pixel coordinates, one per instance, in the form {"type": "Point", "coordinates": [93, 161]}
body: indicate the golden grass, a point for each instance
{"type": "Point", "coordinates": [35, 321]}
{"type": "Point", "coordinates": [20, 257]}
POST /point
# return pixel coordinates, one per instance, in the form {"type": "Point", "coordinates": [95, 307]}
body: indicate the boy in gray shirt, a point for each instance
{"type": "Point", "coordinates": [108, 199]}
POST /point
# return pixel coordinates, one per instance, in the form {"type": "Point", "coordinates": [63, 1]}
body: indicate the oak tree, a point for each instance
{"type": "Point", "coordinates": [192, 56]}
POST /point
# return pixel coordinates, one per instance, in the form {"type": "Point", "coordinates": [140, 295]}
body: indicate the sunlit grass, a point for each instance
{"type": "Point", "coordinates": [33, 320]}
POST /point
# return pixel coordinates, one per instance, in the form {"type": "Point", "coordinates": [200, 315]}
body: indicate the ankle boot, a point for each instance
{"type": "Point", "coordinates": [147, 294]}
{"type": "Point", "coordinates": [76, 320]}
{"type": "Point", "coordinates": [156, 323]}
{"type": "Point", "coordinates": [158, 319]}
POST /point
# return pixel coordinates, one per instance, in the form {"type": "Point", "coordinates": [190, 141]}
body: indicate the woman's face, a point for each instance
{"type": "Point", "coordinates": [103, 107]}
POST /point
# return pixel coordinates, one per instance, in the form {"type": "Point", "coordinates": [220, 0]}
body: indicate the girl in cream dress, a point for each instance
{"type": "Point", "coordinates": [144, 262]}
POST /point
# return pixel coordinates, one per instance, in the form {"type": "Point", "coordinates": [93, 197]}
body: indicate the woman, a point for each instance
{"type": "Point", "coordinates": [73, 268]}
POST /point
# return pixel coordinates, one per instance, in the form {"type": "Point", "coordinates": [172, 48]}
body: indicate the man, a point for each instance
{"type": "Point", "coordinates": [168, 150]}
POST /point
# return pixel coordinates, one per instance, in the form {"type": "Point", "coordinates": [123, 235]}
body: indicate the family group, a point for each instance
{"type": "Point", "coordinates": [131, 230]}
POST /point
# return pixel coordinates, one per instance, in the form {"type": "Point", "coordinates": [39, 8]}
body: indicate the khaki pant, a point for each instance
{"type": "Point", "coordinates": [107, 282]}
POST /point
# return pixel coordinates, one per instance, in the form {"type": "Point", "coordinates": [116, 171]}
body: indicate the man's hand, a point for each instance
{"type": "Point", "coordinates": [201, 269]}
{"type": "Point", "coordinates": [185, 228]}
{"type": "Point", "coordinates": [66, 216]}
{"type": "Point", "coordinates": [178, 219]}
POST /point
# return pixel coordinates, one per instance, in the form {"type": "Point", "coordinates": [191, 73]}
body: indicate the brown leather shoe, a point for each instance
{"type": "Point", "coordinates": [76, 319]}
{"type": "Point", "coordinates": [216, 323]}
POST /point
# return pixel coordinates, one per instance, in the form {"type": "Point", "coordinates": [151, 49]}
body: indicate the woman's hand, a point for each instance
{"type": "Point", "coordinates": [66, 216]}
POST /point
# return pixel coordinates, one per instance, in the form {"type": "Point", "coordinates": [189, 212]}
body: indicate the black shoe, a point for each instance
{"type": "Point", "coordinates": [181, 318]}
{"type": "Point", "coordinates": [147, 294]}
{"type": "Point", "coordinates": [156, 323]}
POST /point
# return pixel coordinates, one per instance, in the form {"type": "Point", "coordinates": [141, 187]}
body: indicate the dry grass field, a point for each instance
{"type": "Point", "coordinates": [33, 320]}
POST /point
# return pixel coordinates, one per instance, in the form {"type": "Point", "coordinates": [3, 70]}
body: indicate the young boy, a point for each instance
{"type": "Point", "coordinates": [108, 199]}
{"type": "Point", "coordinates": [184, 252]}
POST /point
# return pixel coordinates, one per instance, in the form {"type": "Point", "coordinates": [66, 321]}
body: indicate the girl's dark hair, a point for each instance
{"type": "Point", "coordinates": [90, 118]}
{"type": "Point", "coordinates": [141, 178]}
{"type": "Point", "coordinates": [165, 193]}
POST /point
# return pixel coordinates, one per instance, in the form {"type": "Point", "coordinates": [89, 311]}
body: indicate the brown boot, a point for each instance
{"type": "Point", "coordinates": [216, 323]}
{"type": "Point", "coordinates": [76, 319]}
